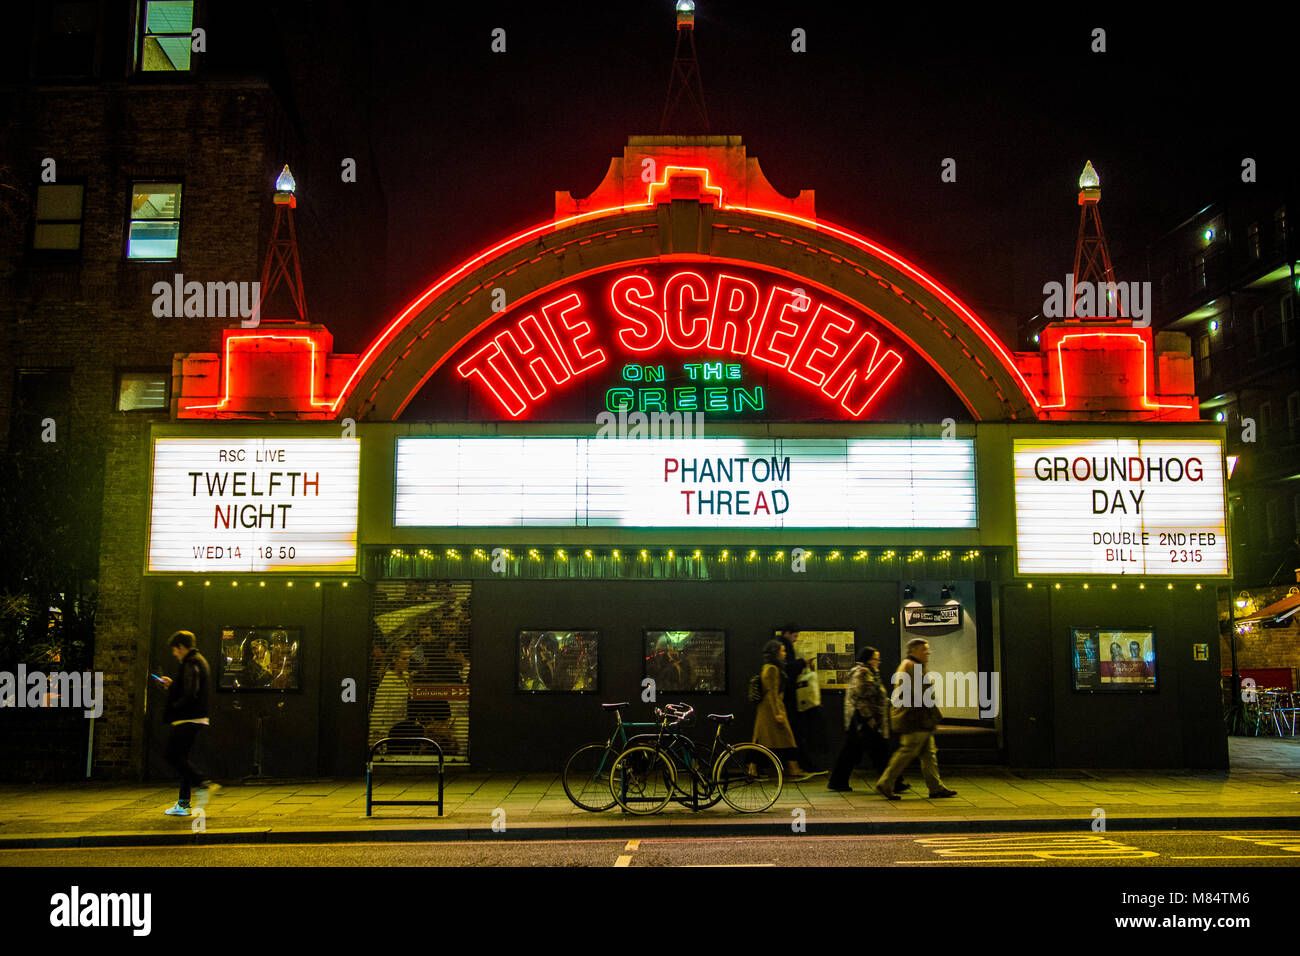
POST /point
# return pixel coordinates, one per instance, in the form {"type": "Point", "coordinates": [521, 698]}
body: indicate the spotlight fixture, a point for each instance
{"type": "Point", "coordinates": [946, 591]}
{"type": "Point", "coordinates": [909, 592]}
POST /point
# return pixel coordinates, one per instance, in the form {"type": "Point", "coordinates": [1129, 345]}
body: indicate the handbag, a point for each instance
{"type": "Point", "coordinates": [808, 693]}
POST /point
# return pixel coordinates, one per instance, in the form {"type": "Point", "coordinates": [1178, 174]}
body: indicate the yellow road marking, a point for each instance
{"type": "Point", "coordinates": [632, 846]}
{"type": "Point", "coordinates": [623, 860]}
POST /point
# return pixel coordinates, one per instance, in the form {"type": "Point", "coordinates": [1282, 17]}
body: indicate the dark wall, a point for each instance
{"type": "Point", "coordinates": [1048, 723]}
{"type": "Point", "coordinates": [536, 732]}
{"type": "Point", "coordinates": [304, 733]}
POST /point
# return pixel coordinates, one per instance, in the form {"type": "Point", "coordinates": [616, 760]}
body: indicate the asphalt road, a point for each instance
{"type": "Point", "coordinates": [1129, 848]}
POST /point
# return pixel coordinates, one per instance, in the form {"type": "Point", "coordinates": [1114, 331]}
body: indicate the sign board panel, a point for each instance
{"type": "Point", "coordinates": [943, 615]}
{"type": "Point", "coordinates": [254, 504]}
{"type": "Point", "coordinates": [690, 483]}
{"type": "Point", "coordinates": [1120, 506]}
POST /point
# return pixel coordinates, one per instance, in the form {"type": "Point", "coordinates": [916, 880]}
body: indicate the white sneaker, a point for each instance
{"type": "Point", "coordinates": [177, 810]}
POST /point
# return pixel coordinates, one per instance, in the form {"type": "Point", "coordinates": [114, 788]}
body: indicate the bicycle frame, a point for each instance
{"type": "Point", "coordinates": [683, 752]}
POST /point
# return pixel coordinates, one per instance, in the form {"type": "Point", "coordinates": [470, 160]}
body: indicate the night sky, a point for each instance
{"type": "Point", "coordinates": [470, 145]}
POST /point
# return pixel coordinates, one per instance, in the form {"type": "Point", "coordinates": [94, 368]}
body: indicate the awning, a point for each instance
{"type": "Point", "coordinates": [1276, 612]}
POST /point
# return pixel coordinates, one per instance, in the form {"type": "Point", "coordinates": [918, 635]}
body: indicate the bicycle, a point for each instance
{"type": "Point", "coordinates": [586, 771]}
{"type": "Point", "coordinates": [643, 778]}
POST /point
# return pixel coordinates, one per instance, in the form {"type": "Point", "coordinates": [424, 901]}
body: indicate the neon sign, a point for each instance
{"type": "Point", "coordinates": [719, 391]}
{"type": "Point", "coordinates": [703, 322]}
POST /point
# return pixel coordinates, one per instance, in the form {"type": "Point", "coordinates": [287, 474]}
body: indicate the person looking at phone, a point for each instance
{"type": "Point", "coordinates": [186, 711]}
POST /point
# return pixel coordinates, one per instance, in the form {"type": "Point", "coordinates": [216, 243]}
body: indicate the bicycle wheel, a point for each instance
{"type": "Point", "coordinates": [586, 777]}
{"type": "Point", "coordinates": [745, 790]}
{"type": "Point", "coordinates": [642, 780]}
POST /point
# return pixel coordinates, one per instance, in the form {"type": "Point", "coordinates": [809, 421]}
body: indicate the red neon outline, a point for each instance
{"type": "Point", "coordinates": [1060, 365]}
{"type": "Point", "coordinates": [545, 332]}
{"type": "Point", "coordinates": [225, 398]}
{"type": "Point", "coordinates": [578, 331]}
{"type": "Point", "coordinates": [873, 364]}
{"type": "Point", "coordinates": [647, 297]}
{"type": "Point", "coordinates": [975, 323]}
{"type": "Point", "coordinates": [495, 350]}
{"type": "Point", "coordinates": [668, 170]}
{"type": "Point", "coordinates": [720, 344]}
{"type": "Point", "coordinates": [675, 313]}
{"type": "Point", "coordinates": [806, 360]}
{"type": "Point", "coordinates": [798, 295]}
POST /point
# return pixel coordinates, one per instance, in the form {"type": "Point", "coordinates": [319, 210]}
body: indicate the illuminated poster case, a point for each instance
{"type": "Point", "coordinates": [1120, 506]}
{"type": "Point", "coordinates": [254, 505]}
{"type": "Point", "coordinates": [685, 483]}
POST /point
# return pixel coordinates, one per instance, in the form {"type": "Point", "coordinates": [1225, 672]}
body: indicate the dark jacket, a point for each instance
{"type": "Point", "coordinates": [909, 718]}
{"type": "Point", "coordinates": [187, 697]}
{"type": "Point", "coordinates": [794, 666]}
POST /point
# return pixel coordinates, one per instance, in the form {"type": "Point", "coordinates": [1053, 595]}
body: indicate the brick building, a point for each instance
{"type": "Point", "coordinates": [139, 143]}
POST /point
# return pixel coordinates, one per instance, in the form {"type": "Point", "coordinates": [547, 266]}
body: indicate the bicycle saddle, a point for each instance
{"type": "Point", "coordinates": [722, 718]}
{"type": "Point", "coordinates": [619, 706]}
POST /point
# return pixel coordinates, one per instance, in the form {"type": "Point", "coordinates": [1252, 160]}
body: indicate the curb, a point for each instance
{"type": "Point", "coordinates": [267, 836]}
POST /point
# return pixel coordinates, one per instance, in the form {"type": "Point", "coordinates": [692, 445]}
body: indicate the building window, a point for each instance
{"type": "Point", "coordinates": [1293, 415]}
{"type": "Point", "coordinates": [1265, 417]}
{"type": "Point", "coordinates": [1199, 271]}
{"type": "Point", "coordinates": [1252, 240]}
{"type": "Point", "coordinates": [42, 401]}
{"type": "Point", "coordinates": [1203, 357]}
{"type": "Point", "coordinates": [165, 41]}
{"type": "Point", "coordinates": [68, 38]}
{"type": "Point", "coordinates": [1279, 228]}
{"type": "Point", "coordinates": [59, 212]}
{"type": "Point", "coordinates": [1271, 522]}
{"type": "Point", "coordinates": [1287, 311]}
{"type": "Point", "coordinates": [155, 228]}
{"type": "Point", "coordinates": [143, 391]}
{"type": "Point", "coordinates": [1257, 323]}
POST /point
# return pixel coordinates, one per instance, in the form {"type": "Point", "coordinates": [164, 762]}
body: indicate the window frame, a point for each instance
{"type": "Point", "coordinates": [140, 34]}
{"type": "Point", "coordinates": [132, 182]}
{"type": "Point", "coordinates": [55, 254]}
{"type": "Point", "coordinates": [125, 370]}
{"type": "Point", "coordinates": [41, 32]}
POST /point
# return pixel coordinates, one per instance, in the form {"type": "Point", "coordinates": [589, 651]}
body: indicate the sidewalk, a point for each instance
{"type": "Point", "coordinates": [1262, 791]}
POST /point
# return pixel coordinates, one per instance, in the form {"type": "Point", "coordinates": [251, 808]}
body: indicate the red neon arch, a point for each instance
{"type": "Point", "coordinates": [967, 314]}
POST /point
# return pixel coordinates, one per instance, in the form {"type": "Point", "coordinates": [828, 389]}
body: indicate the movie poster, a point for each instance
{"type": "Point", "coordinates": [557, 662]}
{"type": "Point", "coordinates": [260, 658]}
{"type": "Point", "coordinates": [1108, 659]}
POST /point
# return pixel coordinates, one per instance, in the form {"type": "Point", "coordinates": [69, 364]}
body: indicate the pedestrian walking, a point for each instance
{"type": "Point", "coordinates": [186, 711]}
{"type": "Point", "coordinates": [794, 669]}
{"type": "Point", "coordinates": [866, 722]}
{"type": "Point", "coordinates": [914, 722]}
{"type": "Point", "coordinates": [772, 723]}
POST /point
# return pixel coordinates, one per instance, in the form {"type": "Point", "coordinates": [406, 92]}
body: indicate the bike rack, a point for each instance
{"type": "Point", "coordinates": [403, 759]}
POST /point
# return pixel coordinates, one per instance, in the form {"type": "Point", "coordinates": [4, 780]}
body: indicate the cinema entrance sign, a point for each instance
{"type": "Point", "coordinates": [1120, 506]}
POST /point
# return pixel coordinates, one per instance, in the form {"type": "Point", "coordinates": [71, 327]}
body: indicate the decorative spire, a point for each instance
{"type": "Point", "coordinates": [281, 263]}
{"type": "Point", "coordinates": [685, 89]}
{"type": "Point", "coordinates": [1091, 257]}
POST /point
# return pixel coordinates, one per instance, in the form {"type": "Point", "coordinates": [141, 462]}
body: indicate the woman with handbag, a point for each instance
{"type": "Point", "coordinates": [866, 722]}
{"type": "Point", "coordinates": [772, 723]}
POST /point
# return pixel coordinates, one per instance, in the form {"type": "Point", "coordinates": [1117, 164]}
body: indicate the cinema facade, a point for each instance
{"type": "Point", "coordinates": [628, 444]}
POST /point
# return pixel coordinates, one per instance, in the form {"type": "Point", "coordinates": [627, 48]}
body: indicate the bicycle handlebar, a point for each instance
{"type": "Point", "coordinates": [679, 711]}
